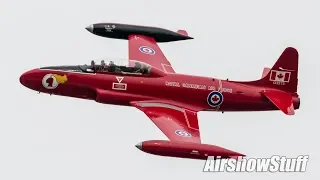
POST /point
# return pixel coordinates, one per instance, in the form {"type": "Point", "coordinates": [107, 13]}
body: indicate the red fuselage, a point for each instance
{"type": "Point", "coordinates": [179, 89]}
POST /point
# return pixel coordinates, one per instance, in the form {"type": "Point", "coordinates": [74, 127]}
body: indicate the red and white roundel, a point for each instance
{"type": "Point", "coordinates": [183, 133]}
{"type": "Point", "coordinates": [215, 99]}
{"type": "Point", "coordinates": [147, 50]}
{"type": "Point", "coordinates": [49, 81]}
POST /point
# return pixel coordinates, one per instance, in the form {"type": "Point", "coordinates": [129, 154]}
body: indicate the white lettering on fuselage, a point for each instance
{"type": "Point", "coordinates": [196, 86]}
{"type": "Point", "coordinates": [175, 84]}
{"type": "Point", "coordinates": [211, 88]}
{"type": "Point", "coordinates": [229, 90]}
{"type": "Point", "coordinates": [279, 83]}
{"type": "Point", "coordinates": [193, 86]}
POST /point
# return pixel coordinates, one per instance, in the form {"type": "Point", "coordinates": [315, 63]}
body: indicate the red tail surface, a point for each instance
{"type": "Point", "coordinates": [284, 73]}
{"type": "Point", "coordinates": [282, 100]}
{"type": "Point", "coordinates": [283, 79]}
{"type": "Point", "coordinates": [265, 72]}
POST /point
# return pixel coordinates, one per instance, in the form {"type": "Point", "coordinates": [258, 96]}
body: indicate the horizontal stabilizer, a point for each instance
{"type": "Point", "coordinates": [281, 99]}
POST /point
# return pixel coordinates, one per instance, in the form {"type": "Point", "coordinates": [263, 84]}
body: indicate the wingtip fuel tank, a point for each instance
{"type": "Point", "coordinates": [185, 150]}
{"type": "Point", "coordinates": [123, 31]}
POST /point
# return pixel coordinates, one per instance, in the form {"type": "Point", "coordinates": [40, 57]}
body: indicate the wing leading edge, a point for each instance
{"type": "Point", "coordinates": [145, 49]}
{"type": "Point", "coordinates": [177, 123]}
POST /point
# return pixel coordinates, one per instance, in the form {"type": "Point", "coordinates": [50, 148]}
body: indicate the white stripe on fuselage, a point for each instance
{"type": "Point", "coordinates": [69, 71]}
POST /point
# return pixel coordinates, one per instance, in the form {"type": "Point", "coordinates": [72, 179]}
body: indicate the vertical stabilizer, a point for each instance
{"type": "Point", "coordinates": [284, 73]}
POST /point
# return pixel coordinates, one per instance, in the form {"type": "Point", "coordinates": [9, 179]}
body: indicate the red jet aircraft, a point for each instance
{"type": "Point", "coordinates": [171, 100]}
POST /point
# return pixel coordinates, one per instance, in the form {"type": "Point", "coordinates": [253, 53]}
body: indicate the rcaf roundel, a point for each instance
{"type": "Point", "coordinates": [215, 98]}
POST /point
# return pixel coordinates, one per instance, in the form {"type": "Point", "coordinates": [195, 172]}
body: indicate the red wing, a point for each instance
{"type": "Point", "coordinates": [146, 50]}
{"type": "Point", "coordinates": [177, 123]}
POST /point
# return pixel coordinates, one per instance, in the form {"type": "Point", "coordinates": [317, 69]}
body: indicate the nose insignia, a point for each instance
{"type": "Point", "coordinates": [51, 81]}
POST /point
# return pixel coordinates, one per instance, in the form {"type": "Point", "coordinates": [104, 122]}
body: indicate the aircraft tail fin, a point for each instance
{"type": "Point", "coordinates": [284, 73]}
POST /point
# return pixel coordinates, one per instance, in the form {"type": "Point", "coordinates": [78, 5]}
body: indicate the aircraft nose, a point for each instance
{"type": "Point", "coordinates": [26, 77]}
{"type": "Point", "coordinates": [90, 28]}
{"type": "Point", "coordinates": [139, 146]}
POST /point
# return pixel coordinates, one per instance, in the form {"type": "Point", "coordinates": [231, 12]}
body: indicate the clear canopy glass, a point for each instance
{"type": "Point", "coordinates": [116, 65]}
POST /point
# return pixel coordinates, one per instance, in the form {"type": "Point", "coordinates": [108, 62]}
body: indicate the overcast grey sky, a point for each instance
{"type": "Point", "coordinates": [51, 137]}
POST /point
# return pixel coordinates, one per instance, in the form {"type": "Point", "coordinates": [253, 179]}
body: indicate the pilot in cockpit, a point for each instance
{"type": "Point", "coordinates": [93, 66]}
{"type": "Point", "coordinates": [102, 66]}
{"type": "Point", "coordinates": [113, 67]}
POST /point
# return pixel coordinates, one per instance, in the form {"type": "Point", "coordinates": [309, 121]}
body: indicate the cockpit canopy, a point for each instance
{"type": "Point", "coordinates": [113, 66]}
{"type": "Point", "coordinates": [121, 66]}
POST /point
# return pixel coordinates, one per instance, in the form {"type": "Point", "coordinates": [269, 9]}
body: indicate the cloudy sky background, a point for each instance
{"type": "Point", "coordinates": [51, 137]}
